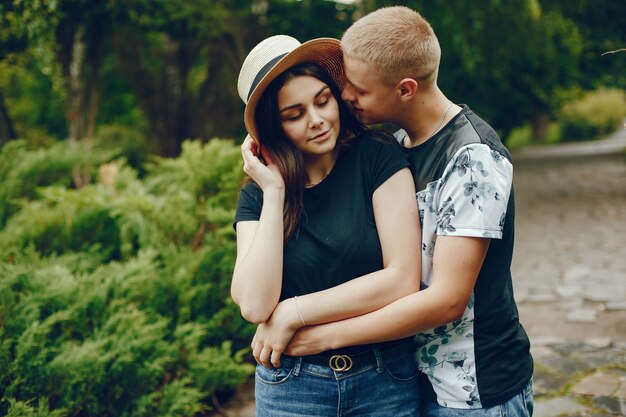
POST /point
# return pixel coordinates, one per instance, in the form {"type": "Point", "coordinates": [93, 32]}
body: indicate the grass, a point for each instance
{"type": "Point", "coordinates": [522, 136]}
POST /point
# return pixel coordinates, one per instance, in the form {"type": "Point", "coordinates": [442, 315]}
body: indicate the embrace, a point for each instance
{"type": "Point", "coordinates": [376, 265]}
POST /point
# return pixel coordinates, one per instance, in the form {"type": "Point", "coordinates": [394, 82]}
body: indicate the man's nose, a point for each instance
{"type": "Point", "coordinates": [347, 94]}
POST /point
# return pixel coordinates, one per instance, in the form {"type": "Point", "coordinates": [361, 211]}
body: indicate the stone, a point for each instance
{"type": "Point", "coordinates": [569, 291]}
{"type": "Point", "coordinates": [598, 384]}
{"type": "Point", "coordinates": [582, 315]}
{"type": "Point", "coordinates": [547, 340]}
{"type": "Point", "coordinates": [603, 357]}
{"type": "Point", "coordinates": [571, 304]}
{"type": "Point", "coordinates": [546, 382]}
{"type": "Point", "coordinates": [577, 274]}
{"type": "Point", "coordinates": [539, 352]}
{"type": "Point", "coordinates": [611, 404]}
{"type": "Point", "coordinates": [556, 407]}
{"type": "Point", "coordinates": [562, 365]}
{"type": "Point", "coordinates": [603, 293]}
{"type": "Point", "coordinates": [542, 297]}
{"type": "Point", "coordinates": [572, 348]}
{"type": "Point", "coordinates": [598, 342]}
{"type": "Point", "coordinates": [621, 391]}
{"type": "Point", "coordinates": [616, 305]}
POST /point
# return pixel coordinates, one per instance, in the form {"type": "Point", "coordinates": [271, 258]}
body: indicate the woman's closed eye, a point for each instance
{"type": "Point", "coordinates": [292, 114]}
{"type": "Point", "coordinates": [296, 112]}
{"type": "Point", "coordinates": [322, 100]}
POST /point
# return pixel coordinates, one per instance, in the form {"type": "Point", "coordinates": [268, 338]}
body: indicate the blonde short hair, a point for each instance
{"type": "Point", "coordinates": [398, 41]}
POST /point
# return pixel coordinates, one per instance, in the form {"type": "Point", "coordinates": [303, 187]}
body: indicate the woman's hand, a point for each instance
{"type": "Point", "coordinates": [272, 337]}
{"type": "Point", "coordinates": [266, 176]}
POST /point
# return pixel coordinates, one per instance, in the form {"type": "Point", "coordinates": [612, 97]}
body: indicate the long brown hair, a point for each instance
{"type": "Point", "coordinates": [287, 158]}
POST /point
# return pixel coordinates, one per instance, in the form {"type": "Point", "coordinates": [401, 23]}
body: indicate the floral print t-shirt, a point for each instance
{"type": "Point", "coordinates": [464, 180]}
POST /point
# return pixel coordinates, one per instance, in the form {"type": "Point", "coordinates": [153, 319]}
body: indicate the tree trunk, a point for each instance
{"type": "Point", "coordinates": [7, 132]}
{"type": "Point", "coordinates": [218, 106]}
{"type": "Point", "coordinates": [92, 110]}
{"type": "Point", "coordinates": [540, 123]}
{"type": "Point", "coordinates": [174, 114]}
{"type": "Point", "coordinates": [159, 92]}
{"type": "Point", "coordinates": [81, 72]}
{"type": "Point", "coordinates": [75, 81]}
{"type": "Point", "coordinates": [92, 81]}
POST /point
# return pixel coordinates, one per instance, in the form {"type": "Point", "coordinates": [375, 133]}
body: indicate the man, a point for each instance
{"type": "Point", "coordinates": [473, 353]}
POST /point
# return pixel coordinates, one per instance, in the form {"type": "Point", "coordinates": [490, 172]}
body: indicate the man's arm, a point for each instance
{"type": "Point", "coordinates": [456, 264]}
{"type": "Point", "coordinates": [397, 222]}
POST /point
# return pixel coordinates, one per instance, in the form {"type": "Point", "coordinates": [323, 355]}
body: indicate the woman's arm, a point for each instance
{"type": "Point", "coordinates": [397, 222]}
{"type": "Point", "coordinates": [257, 277]}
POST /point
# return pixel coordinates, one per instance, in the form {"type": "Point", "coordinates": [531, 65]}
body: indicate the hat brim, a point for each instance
{"type": "Point", "coordinates": [323, 51]}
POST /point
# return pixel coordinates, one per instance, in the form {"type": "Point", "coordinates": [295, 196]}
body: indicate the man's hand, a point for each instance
{"type": "Point", "coordinates": [308, 341]}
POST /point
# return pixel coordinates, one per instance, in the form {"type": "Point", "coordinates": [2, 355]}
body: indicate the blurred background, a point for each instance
{"type": "Point", "coordinates": [120, 170]}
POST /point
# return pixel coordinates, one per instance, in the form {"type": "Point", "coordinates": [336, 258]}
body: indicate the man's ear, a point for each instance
{"type": "Point", "coordinates": [407, 88]}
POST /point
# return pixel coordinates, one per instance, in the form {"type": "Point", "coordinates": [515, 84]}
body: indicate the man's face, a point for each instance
{"type": "Point", "coordinates": [372, 100]}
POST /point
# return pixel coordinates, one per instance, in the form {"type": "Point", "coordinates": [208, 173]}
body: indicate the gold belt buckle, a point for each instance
{"type": "Point", "coordinates": [340, 363]}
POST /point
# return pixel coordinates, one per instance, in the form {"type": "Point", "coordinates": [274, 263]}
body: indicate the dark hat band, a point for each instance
{"type": "Point", "coordinates": [263, 72]}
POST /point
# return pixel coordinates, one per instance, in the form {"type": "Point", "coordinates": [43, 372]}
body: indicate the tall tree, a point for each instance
{"type": "Point", "coordinates": [601, 24]}
{"type": "Point", "coordinates": [12, 40]}
{"type": "Point", "coordinates": [70, 34]}
{"type": "Point", "coordinates": [180, 58]}
{"type": "Point", "coordinates": [7, 132]}
{"type": "Point", "coordinates": [512, 61]}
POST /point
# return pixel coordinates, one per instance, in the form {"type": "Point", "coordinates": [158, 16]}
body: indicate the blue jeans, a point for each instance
{"type": "Point", "coordinates": [299, 389]}
{"type": "Point", "coordinates": [519, 406]}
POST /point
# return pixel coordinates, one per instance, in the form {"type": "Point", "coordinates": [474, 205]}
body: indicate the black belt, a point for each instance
{"type": "Point", "coordinates": [343, 363]}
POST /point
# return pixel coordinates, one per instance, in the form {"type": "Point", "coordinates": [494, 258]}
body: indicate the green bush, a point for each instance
{"type": "Point", "coordinates": [596, 114]}
{"type": "Point", "coordinates": [114, 296]}
{"type": "Point", "coordinates": [23, 170]}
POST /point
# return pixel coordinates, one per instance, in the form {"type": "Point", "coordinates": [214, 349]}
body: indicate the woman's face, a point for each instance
{"type": "Point", "coordinates": [309, 115]}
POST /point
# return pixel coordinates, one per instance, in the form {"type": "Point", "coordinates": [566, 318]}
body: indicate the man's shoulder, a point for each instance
{"type": "Point", "coordinates": [476, 129]}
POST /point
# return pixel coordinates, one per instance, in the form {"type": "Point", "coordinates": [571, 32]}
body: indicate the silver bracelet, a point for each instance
{"type": "Point", "coordinates": [295, 299]}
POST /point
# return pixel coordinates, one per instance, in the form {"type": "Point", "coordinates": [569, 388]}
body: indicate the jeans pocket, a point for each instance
{"type": "Point", "coordinates": [273, 376]}
{"type": "Point", "coordinates": [529, 401]}
{"type": "Point", "coordinates": [402, 369]}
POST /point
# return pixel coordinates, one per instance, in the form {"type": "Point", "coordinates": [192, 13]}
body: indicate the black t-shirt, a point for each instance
{"type": "Point", "coordinates": [337, 239]}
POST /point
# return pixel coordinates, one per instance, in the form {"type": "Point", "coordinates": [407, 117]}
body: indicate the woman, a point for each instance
{"type": "Point", "coordinates": [328, 229]}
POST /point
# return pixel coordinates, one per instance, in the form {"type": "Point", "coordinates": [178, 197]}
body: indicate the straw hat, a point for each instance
{"type": "Point", "coordinates": [273, 56]}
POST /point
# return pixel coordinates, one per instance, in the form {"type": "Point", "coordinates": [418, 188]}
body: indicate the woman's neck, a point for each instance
{"type": "Point", "coordinates": [318, 167]}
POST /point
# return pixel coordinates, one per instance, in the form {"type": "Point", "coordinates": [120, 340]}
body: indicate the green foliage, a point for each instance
{"type": "Point", "coordinates": [595, 114]}
{"type": "Point", "coordinates": [24, 409]}
{"type": "Point", "coordinates": [506, 78]}
{"type": "Point", "coordinates": [23, 170]}
{"type": "Point", "coordinates": [129, 143]}
{"type": "Point", "coordinates": [167, 68]}
{"type": "Point", "coordinates": [601, 24]}
{"type": "Point", "coordinates": [523, 135]}
{"type": "Point", "coordinates": [114, 296]}
{"type": "Point", "coordinates": [34, 104]}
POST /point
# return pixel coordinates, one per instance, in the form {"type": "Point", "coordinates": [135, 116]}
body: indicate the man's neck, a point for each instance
{"type": "Point", "coordinates": [428, 115]}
